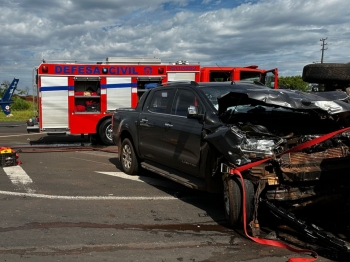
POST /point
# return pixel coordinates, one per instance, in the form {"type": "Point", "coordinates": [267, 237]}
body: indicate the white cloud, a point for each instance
{"type": "Point", "coordinates": [269, 33]}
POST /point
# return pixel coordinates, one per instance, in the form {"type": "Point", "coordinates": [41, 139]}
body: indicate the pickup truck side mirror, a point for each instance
{"type": "Point", "coordinates": [193, 112]}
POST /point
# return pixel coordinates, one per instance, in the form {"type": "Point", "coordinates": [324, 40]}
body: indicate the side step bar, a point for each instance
{"type": "Point", "coordinates": [181, 178]}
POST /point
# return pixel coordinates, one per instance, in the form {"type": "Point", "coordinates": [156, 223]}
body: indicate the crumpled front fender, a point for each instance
{"type": "Point", "coordinates": [227, 143]}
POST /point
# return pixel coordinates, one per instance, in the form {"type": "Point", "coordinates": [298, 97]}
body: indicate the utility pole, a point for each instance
{"type": "Point", "coordinates": [323, 44]}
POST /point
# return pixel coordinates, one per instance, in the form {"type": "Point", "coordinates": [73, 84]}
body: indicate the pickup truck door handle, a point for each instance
{"type": "Point", "coordinates": [144, 121]}
{"type": "Point", "coordinates": [168, 125]}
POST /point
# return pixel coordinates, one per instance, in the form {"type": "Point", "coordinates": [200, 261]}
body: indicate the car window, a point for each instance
{"type": "Point", "coordinates": [160, 101]}
{"type": "Point", "coordinates": [183, 100]}
{"type": "Point", "coordinates": [213, 92]}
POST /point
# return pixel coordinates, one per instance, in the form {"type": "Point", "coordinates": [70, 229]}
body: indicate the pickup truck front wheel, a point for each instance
{"type": "Point", "coordinates": [233, 196]}
{"type": "Point", "coordinates": [129, 161]}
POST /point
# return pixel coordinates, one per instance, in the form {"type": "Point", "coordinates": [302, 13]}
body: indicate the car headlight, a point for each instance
{"type": "Point", "coordinates": [258, 147]}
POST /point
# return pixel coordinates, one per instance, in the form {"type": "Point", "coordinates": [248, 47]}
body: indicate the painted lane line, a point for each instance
{"type": "Point", "coordinates": [19, 177]}
{"type": "Point", "coordinates": [21, 135]}
{"type": "Point", "coordinates": [84, 197]}
{"type": "Point", "coordinates": [122, 175]}
{"type": "Point", "coordinates": [88, 160]}
{"type": "Point", "coordinates": [144, 179]}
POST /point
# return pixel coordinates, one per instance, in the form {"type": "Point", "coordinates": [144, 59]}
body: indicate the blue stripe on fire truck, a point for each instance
{"type": "Point", "coordinates": [120, 85]}
{"type": "Point", "coordinates": [56, 88]}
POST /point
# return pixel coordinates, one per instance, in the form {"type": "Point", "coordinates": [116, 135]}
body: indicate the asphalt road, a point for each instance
{"type": "Point", "coordinates": [66, 202]}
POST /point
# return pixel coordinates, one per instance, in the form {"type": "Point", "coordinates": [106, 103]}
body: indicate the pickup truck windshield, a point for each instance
{"type": "Point", "coordinates": [212, 93]}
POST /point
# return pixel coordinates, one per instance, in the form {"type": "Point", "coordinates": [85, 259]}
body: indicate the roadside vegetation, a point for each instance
{"type": "Point", "coordinates": [23, 106]}
{"type": "Point", "coordinates": [293, 82]}
{"type": "Point", "coordinates": [21, 110]}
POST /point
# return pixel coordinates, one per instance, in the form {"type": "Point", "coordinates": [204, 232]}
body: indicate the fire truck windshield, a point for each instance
{"type": "Point", "coordinates": [250, 76]}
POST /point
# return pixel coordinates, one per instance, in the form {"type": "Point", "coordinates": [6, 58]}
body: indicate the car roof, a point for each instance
{"type": "Point", "coordinates": [235, 84]}
{"type": "Point", "coordinates": [238, 84]}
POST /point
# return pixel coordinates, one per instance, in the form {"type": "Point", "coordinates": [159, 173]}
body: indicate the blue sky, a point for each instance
{"type": "Point", "coordinates": [269, 33]}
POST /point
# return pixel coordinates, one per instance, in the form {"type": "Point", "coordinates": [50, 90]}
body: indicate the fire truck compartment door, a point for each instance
{"type": "Point", "coordinates": [181, 76]}
{"type": "Point", "coordinates": [118, 92]}
{"type": "Point", "coordinates": [54, 101]}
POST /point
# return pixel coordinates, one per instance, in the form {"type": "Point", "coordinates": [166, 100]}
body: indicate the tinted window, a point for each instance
{"type": "Point", "coordinates": [160, 101]}
{"type": "Point", "coordinates": [183, 100]}
{"type": "Point", "coordinates": [213, 92]}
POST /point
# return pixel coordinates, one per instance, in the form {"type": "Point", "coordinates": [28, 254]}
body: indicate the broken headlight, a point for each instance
{"type": "Point", "coordinates": [258, 147]}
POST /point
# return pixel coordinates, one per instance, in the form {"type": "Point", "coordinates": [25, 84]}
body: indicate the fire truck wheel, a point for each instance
{"type": "Point", "coordinates": [233, 200]}
{"type": "Point", "coordinates": [129, 161]}
{"type": "Point", "coordinates": [105, 132]}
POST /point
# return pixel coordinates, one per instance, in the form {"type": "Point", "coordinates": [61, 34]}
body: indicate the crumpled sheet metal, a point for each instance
{"type": "Point", "coordinates": [331, 102]}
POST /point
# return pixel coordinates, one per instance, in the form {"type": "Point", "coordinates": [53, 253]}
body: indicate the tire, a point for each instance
{"type": "Point", "coordinates": [105, 132]}
{"type": "Point", "coordinates": [233, 196]}
{"type": "Point", "coordinates": [326, 73]}
{"type": "Point", "coordinates": [129, 161]}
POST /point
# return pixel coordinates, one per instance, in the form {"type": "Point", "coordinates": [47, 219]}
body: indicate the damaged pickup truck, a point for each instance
{"type": "Point", "coordinates": [291, 147]}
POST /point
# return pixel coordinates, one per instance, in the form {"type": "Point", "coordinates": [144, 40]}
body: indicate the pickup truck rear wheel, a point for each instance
{"type": "Point", "coordinates": [105, 132]}
{"type": "Point", "coordinates": [129, 161]}
{"type": "Point", "coordinates": [233, 196]}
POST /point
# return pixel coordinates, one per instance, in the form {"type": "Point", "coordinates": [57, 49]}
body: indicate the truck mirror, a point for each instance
{"type": "Point", "coordinates": [192, 112]}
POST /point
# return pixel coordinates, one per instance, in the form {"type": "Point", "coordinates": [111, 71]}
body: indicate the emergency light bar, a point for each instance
{"type": "Point", "coordinates": [133, 60]}
{"type": "Point", "coordinates": [180, 62]}
{"type": "Point", "coordinates": [252, 66]}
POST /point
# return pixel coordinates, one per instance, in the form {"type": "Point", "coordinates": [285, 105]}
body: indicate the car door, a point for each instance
{"type": "Point", "coordinates": [270, 78]}
{"type": "Point", "coordinates": [151, 124]}
{"type": "Point", "coordinates": [182, 136]}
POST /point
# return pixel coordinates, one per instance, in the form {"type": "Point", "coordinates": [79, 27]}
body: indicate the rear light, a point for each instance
{"type": "Point", "coordinates": [45, 69]}
{"type": "Point", "coordinates": [160, 70]}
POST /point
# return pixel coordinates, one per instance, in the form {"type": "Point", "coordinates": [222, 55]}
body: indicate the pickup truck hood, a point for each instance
{"type": "Point", "coordinates": [332, 102]}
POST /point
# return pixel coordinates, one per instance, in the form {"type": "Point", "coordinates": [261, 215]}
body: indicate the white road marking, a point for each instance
{"type": "Point", "coordinates": [144, 179]}
{"type": "Point", "coordinates": [22, 135]}
{"type": "Point", "coordinates": [83, 197]}
{"type": "Point", "coordinates": [87, 160]}
{"type": "Point", "coordinates": [19, 177]}
{"type": "Point", "coordinates": [122, 175]}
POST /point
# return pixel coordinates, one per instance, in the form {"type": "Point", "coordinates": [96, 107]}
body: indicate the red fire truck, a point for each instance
{"type": "Point", "coordinates": [76, 98]}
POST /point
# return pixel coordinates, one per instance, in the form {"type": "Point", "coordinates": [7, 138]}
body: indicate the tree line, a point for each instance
{"type": "Point", "coordinates": [293, 82]}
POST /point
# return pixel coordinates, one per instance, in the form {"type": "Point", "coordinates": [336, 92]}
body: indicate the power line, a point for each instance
{"type": "Point", "coordinates": [323, 45]}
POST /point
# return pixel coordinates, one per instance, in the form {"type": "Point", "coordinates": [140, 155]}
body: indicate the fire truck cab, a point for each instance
{"type": "Point", "coordinates": [248, 73]}
{"type": "Point", "coordinates": [77, 98]}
